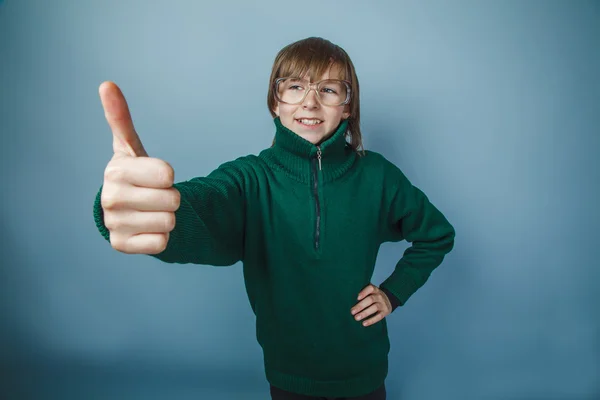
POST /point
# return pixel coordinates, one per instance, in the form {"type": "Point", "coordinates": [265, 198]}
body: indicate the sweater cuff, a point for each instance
{"type": "Point", "coordinates": [395, 301]}
{"type": "Point", "coordinates": [400, 285]}
{"type": "Point", "coordinates": [99, 216]}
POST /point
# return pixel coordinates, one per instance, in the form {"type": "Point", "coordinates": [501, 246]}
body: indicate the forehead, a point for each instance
{"type": "Point", "coordinates": [314, 71]}
{"type": "Point", "coordinates": [314, 77]}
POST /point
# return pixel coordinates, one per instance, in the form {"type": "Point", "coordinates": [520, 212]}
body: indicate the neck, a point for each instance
{"type": "Point", "coordinates": [300, 158]}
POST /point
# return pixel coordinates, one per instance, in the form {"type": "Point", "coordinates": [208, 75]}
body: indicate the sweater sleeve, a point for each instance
{"type": "Point", "coordinates": [412, 217]}
{"type": "Point", "coordinates": [209, 224]}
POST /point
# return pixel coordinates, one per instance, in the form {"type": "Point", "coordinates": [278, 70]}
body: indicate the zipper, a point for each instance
{"type": "Point", "coordinates": [319, 156]}
{"type": "Point", "coordinates": [316, 193]}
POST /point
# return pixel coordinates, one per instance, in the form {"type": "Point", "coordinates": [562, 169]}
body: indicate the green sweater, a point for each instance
{"type": "Point", "coordinates": [307, 230]}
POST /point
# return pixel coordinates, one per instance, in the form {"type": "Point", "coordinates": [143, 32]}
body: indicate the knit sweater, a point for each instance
{"type": "Point", "coordinates": [307, 222]}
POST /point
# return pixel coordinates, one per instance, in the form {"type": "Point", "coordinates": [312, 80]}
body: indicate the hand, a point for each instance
{"type": "Point", "coordinates": [138, 198]}
{"type": "Point", "coordinates": [371, 300]}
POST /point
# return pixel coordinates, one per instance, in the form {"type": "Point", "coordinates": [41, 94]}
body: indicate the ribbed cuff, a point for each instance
{"type": "Point", "coordinates": [99, 216]}
{"type": "Point", "coordinates": [400, 285]}
{"type": "Point", "coordinates": [394, 300]}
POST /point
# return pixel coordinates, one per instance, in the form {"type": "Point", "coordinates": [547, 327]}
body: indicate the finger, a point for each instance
{"type": "Point", "coordinates": [135, 222]}
{"type": "Point", "coordinates": [367, 312]}
{"type": "Point", "coordinates": [366, 291]}
{"type": "Point", "coordinates": [145, 172]}
{"type": "Point", "coordinates": [142, 199]}
{"type": "Point", "coordinates": [146, 243]}
{"type": "Point", "coordinates": [378, 317]}
{"type": "Point", "coordinates": [125, 139]}
{"type": "Point", "coordinates": [362, 305]}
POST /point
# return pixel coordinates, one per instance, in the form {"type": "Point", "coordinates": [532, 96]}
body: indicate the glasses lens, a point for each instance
{"type": "Point", "coordinates": [331, 92]}
{"type": "Point", "coordinates": [291, 90]}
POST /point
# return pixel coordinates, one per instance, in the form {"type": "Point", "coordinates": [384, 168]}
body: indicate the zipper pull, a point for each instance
{"type": "Point", "coordinates": [319, 156]}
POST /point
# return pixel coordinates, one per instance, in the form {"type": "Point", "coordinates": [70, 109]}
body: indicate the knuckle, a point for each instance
{"type": "Point", "coordinates": [109, 221]}
{"type": "Point", "coordinates": [114, 172]}
{"type": "Point", "coordinates": [176, 199]}
{"type": "Point", "coordinates": [170, 222]}
{"type": "Point", "coordinates": [161, 243]}
{"type": "Point", "coordinates": [171, 200]}
{"type": "Point", "coordinates": [117, 224]}
{"type": "Point", "coordinates": [109, 199]}
{"type": "Point", "coordinates": [115, 221]}
{"type": "Point", "coordinates": [118, 242]}
{"type": "Point", "coordinates": [166, 174]}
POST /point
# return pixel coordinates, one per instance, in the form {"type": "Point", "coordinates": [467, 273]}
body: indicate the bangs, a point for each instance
{"type": "Point", "coordinates": [315, 58]}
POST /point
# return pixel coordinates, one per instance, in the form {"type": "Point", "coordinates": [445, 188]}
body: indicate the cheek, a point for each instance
{"type": "Point", "coordinates": [335, 118]}
{"type": "Point", "coordinates": [286, 112]}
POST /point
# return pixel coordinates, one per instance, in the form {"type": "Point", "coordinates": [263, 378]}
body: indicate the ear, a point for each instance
{"type": "Point", "coordinates": [346, 113]}
{"type": "Point", "coordinates": [276, 109]}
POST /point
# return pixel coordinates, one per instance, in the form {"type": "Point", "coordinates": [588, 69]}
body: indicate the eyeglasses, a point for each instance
{"type": "Point", "coordinates": [330, 92]}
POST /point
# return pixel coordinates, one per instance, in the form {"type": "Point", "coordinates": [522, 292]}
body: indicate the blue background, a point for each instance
{"type": "Point", "coordinates": [491, 108]}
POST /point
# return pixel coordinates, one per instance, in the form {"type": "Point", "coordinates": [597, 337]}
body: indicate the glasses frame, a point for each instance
{"type": "Point", "coordinates": [312, 86]}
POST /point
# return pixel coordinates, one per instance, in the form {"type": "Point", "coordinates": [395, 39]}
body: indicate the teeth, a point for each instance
{"type": "Point", "coordinates": [310, 121]}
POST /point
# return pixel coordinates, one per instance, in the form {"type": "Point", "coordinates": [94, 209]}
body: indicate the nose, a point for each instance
{"type": "Point", "coordinates": [311, 101]}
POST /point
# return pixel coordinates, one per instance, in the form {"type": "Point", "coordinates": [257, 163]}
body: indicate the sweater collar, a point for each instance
{"type": "Point", "coordinates": [299, 157]}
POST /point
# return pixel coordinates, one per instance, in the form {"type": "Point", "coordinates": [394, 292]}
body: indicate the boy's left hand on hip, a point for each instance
{"type": "Point", "coordinates": [371, 300]}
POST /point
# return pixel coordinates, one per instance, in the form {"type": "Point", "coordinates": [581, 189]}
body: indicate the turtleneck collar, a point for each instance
{"type": "Point", "coordinates": [298, 157]}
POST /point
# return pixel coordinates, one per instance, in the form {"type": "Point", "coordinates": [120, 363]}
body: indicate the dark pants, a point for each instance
{"type": "Point", "coordinates": [280, 394]}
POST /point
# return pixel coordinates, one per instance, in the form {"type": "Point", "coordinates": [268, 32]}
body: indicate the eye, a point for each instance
{"type": "Point", "coordinates": [329, 90]}
{"type": "Point", "coordinates": [295, 87]}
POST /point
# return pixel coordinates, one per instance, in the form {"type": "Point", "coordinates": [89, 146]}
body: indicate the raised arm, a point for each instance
{"type": "Point", "coordinates": [140, 210]}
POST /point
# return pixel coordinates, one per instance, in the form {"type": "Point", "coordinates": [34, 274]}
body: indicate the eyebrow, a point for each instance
{"type": "Point", "coordinates": [295, 78]}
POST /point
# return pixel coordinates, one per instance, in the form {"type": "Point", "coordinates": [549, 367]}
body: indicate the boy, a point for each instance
{"type": "Point", "coordinates": [306, 217]}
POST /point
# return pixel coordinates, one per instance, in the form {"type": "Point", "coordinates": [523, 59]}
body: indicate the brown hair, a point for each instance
{"type": "Point", "coordinates": [317, 55]}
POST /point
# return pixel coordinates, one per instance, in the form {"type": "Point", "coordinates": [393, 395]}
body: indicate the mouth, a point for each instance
{"type": "Point", "coordinates": [310, 122]}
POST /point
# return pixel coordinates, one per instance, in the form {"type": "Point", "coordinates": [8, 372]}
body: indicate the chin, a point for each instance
{"type": "Point", "coordinates": [309, 138]}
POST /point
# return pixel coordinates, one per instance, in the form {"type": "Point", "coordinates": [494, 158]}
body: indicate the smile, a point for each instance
{"type": "Point", "coordinates": [309, 122]}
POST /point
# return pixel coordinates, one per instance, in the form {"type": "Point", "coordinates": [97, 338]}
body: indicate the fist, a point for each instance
{"type": "Point", "coordinates": [138, 197]}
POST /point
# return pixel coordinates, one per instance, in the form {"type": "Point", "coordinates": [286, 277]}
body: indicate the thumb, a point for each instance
{"type": "Point", "coordinates": [125, 139]}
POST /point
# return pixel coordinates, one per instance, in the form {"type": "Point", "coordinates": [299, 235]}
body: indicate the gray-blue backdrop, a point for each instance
{"type": "Point", "coordinates": [491, 107]}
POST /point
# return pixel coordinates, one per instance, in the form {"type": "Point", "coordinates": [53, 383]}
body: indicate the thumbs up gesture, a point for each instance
{"type": "Point", "coordinates": [138, 197]}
